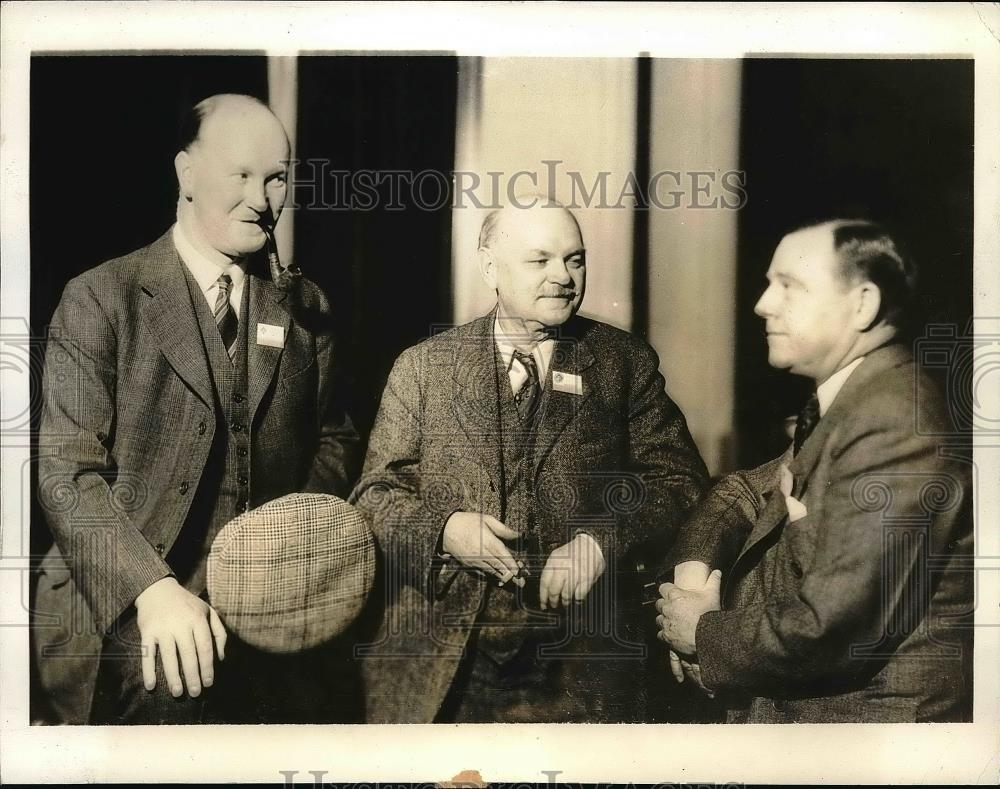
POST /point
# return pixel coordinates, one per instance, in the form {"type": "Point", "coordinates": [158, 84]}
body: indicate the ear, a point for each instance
{"type": "Point", "coordinates": [488, 267]}
{"type": "Point", "coordinates": [867, 305]}
{"type": "Point", "coordinates": [185, 177]}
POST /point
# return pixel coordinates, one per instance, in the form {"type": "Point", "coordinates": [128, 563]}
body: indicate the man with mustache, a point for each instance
{"type": "Point", "coordinates": [204, 391]}
{"type": "Point", "coordinates": [519, 465]}
{"type": "Point", "coordinates": [841, 572]}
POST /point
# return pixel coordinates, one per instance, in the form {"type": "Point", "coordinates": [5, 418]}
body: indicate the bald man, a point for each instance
{"type": "Point", "coordinates": [520, 467]}
{"type": "Point", "coordinates": [203, 391]}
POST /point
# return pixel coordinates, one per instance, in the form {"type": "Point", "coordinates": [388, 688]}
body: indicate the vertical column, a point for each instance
{"type": "Point", "coordinates": [469, 294]}
{"type": "Point", "coordinates": [283, 98]}
{"type": "Point", "coordinates": [564, 127]}
{"type": "Point", "coordinates": [692, 250]}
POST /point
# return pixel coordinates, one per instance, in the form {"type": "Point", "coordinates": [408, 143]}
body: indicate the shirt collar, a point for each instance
{"type": "Point", "coordinates": [827, 391]}
{"type": "Point", "coordinates": [205, 272]}
{"type": "Point", "coordinates": [542, 350]}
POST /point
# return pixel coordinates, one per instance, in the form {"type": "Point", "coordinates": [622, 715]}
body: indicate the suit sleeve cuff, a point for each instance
{"type": "Point", "coordinates": [714, 651]}
{"type": "Point", "coordinates": [444, 567]}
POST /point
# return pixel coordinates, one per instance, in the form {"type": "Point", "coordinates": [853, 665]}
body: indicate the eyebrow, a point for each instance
{"type": "Point", "coordinates": [237, 167]}
{"type": "Point", "coordinates": [783, 276]}
{"type": "Point", "coordinates": [546, 254]}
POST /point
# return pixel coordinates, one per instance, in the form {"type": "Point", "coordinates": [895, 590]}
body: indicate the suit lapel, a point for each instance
{"type": "Point", "coordinates": [172, 317]}
{"type": "Point", "coordinates": [267, 306]}
{"type": "Point", "coordinates": [571, 355]}
{"type": "Point", "coordinates": [843, 405]}
{"type": "Point", "coordinates": [803, 464]}
{"type": "Point", "coordinates": [475, 397]}
{"type": "Point", "coordinates": [773, 515]}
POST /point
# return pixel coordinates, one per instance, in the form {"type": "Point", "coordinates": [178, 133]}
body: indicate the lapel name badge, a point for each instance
{"type": "Point", "coordinates": [272, 336]}
{"type": "Point", "coordinates": [567, 382]}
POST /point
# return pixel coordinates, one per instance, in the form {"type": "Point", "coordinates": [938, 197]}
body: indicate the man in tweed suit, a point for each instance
{"type": "Point", "coordinates": [518, 465]}
{"type": "Point", "coordinates": [204, 391]}
{"type": "Point", "coordinates": [847, 562]}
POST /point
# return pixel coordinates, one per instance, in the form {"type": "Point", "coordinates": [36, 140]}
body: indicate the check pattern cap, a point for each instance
{"type": "Point", "coordinates": [293, 573]}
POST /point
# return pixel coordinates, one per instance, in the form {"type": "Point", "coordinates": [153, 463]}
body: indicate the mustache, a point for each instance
{"type": "Point", "coordinates": [560, 294]}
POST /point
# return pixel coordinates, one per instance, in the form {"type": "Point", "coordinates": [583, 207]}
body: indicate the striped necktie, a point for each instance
{"type": "Point", "coordinates": [225, 315]}
{"type": "Point", "coordinates": [528, 395]}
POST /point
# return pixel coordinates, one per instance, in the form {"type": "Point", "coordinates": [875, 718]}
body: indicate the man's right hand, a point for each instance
{"type": "Point", "coordinates": [174, 622]}
{"type": "Point", "coordinates": [476, 540]}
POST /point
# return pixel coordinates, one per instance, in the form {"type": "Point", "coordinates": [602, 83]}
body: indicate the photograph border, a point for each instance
{"type": "Point", "coordinates": [647, 753]}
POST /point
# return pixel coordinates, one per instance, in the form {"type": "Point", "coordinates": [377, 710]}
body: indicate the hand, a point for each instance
{"type": "Point", "coordinates": [570, 571]}
{"type": "Point", "coordinates": [173, 621]}
{"type": "Point", "coordinates": [476, 540]}
{"type": "Point", "coordinates": [689, 575]}
{"type": "Point", "coordinates": [682, 668]}
{"type": "Point", "coordinates": [680, 610]}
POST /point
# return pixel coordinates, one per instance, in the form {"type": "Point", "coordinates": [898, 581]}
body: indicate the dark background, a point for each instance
{"type": "Point", "coordinates": [887, 138]}
{"type": "Point", "coordinates": [388, 272]}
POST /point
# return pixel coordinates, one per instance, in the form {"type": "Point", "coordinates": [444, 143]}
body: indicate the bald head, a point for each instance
{"type": "Point", "coordinates": [227, 108]}
{"type": "Point", "coordinates": [232, 170]}
{"type": "Point", "coordinates": [535, 260]}
{"type": "Point", "coordinates": [494, 223]}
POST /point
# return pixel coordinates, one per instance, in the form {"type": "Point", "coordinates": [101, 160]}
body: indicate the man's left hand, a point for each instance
{"type": "Point", "coordinates": [680, 610]}
{"type": "Point", "coordinates": [571, 570]}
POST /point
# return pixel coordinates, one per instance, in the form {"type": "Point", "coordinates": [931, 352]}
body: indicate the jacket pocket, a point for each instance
{"type": "Point", "coordinates": [290, 378]}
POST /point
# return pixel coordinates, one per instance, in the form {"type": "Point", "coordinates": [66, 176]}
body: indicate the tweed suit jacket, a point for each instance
{"type": "Point", "coordinates": [854, 611]}
{"type": "Point", "coordinates": [616, 461]}
{"type": "Point", "coordinates": [129, 417]}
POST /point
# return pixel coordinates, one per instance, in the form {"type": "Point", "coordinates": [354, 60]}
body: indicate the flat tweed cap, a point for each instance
{"type": "Point", "coordinates": [293, 573]}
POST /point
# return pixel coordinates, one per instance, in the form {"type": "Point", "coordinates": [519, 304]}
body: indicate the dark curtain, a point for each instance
{"type": "Point", "coordinates": [890, 139]}
{"type": "Point", "coordinates": [384, 260]}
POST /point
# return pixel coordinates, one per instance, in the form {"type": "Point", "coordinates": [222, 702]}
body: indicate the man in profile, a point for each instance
{"type": "Point", "coordinates": [519, 464]}
{"type": "Point", "coordinates": [839, 571]}
{"type": "Point", "coordinates": [204, 391]}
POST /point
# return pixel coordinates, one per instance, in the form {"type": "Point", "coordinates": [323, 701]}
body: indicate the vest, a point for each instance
{"type": "Point", "coordinates": [224, 489]}
{"type": "Point", "coordinates": [510, 614]}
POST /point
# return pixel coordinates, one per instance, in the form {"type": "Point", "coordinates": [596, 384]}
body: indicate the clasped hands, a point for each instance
{"type": "Point", "coordinates": [681, 605]}
{"type": "Point", "coordinates": [477, 541]}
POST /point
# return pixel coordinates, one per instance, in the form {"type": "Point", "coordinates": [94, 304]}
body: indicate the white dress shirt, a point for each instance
{"type": "Point", "coordinates": [542, 353]}
{"type": "Point", "coordinates": [827, 391]}
{"type": "Point", "coordinates": [206, 272]}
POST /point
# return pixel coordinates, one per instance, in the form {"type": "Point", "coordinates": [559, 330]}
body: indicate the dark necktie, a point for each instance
{"type": "Point", "coordinates": [528, 395]}
{"type": "Point", "coordinates": [806, 422]}
{"type": "Point", "coordinates": [225, 315]}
